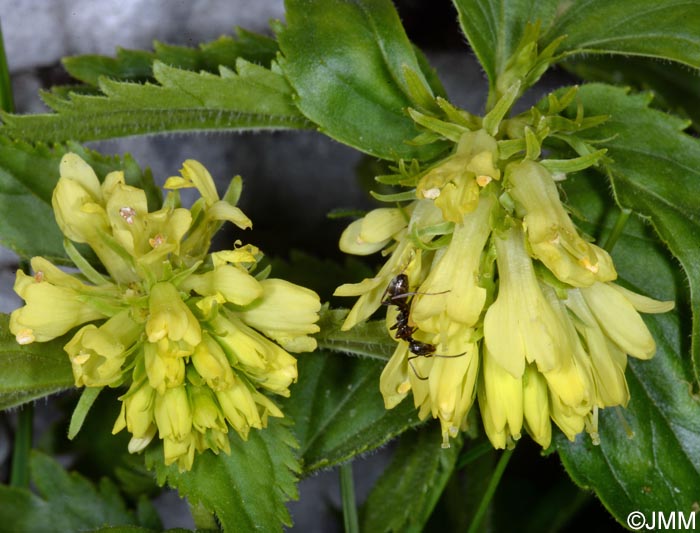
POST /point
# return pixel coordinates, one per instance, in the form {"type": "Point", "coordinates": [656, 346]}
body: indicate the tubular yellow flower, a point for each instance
{"type": "Point", "coordinates": [619, 320]}
{"type": "Point", "coordinates": [172, 414]}
{"type": "Point", "coordinates": [263, 361]}
{"type": "Point", "coordinates": [194, 335]}
{"type": "Point", "coordinates": [165, 367]}
{"type": "Point", "coordinates": [394, 383]}
{"type": "Point", "coordinates": [286, 314]}
{"type": "Point", "coordinates": [240, 408]}
{"type": "Point", "coordinates": [170, 317]}
{"type": "Point", "coordinates": [211, 363]}
{"type": "Point", "coordinates": [451, 290]}
{"type": "Point", "coordinates": [50, 310]}
{"type": "Point", "coordinates": [536, 406]}
{"type": "Point", "coordinates": [534, 333]}
{"type": "Point", "coordinates": [232, 284]}
{"type": "Point", "coordinates": [455, 183]}
{"type": "Point", "coordinates": [79, 208]}
{"type": "Point", "coordinates": [98, 354]}
{"type": "Point", "coordinates": [452, 383]}
{"type": "Point", "coordinates": [501, 401]}
{"type": "Point", "coordinates": [490, 282]}
{"type": "Point", "coordinates": [137, 411]}
{"type": "Point", "coordinates": [551, 233]}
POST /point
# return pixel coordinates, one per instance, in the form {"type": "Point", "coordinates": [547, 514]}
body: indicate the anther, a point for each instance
{"type": "Point", "coordinates": [483, 180]}
{"type": "Point", "coordinates": [156, 241]}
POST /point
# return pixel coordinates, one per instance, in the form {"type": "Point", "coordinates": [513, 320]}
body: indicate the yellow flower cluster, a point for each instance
{"type": "Point", "coordinates": [508, 305]}
{"type": "Point", "coordinates": [196, 336]}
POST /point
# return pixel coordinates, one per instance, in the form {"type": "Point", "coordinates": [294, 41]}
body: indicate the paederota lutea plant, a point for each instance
{"type": "Point", "coordinates": [534, 278]}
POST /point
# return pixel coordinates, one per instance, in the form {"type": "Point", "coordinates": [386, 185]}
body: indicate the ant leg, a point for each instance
{"type": "Point", "coordinates": [448, 356]}
{"type": "Point", "coordinates": [407, 294]}
{"type": "Point", "coordinates": [414, 369]}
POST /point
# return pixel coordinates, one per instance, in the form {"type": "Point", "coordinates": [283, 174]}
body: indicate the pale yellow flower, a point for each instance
{"type": "Point", "coordinates": [194, 335]}
{"type": "Point", "coordinates": [551, 234]}
{"type": "Point", "coordinates": [520, 326]}
{"type": "Point", "coordinates": [491, 283]}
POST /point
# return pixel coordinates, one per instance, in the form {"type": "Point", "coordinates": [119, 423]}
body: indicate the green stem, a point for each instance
{"type": "Point", "coordinates": [490, 491]}
{"type": "Point", "coordinates": [347, 493]}
{"type": "Point", "coordinates": [19, 475]}
{"type": "Point", "coordinates": [472, 454]}
{"type": "Point", "coordinates": [620, 223]}
{"type": "Point", "coordinates": [6, 99]}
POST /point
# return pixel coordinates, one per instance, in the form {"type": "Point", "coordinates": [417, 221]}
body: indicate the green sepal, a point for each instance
{"type": "Point", "coordinates": [87, 399]}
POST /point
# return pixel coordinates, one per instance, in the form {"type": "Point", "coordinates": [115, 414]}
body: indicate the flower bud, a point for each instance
{"type": "Point", "coordinates": [137, 412]}
{"type": "Point", "coordinates": [372, 232]}
{"type": "Point", "coordinates": [170, 317]}
{"type": "Point", "coordinates": [233, 284]}
{"type": "Point", "coordinates": [286, 313]}
{"type": "Point", "coordinates": [211, 363]}
{"type": "Point", "coordinates": [501, 402]}
{"type": "Point", "coordinates": [239, 408]}
{"type": "Point", "coordinates": [173, 414]}
{"type": "Point", "coordinates": [536, 406]}
{"type": "Point", "coordinates": [165, 366]}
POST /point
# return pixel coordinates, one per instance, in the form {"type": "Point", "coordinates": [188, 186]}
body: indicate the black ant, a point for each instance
{"type": "Point", "coordinates": [397, 294]}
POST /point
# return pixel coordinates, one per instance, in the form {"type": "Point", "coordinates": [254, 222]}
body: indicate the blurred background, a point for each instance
{"type": "Point", "coordinates": [292, 180]}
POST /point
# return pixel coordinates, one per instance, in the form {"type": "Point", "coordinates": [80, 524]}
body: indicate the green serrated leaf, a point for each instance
{"type": "Point", "coordinates": [137, 65]}
{"type": "Point", "coordinates": [346, 63]}
{"type": "Point", "coordinates": [404, 497]}
{"type": "Point", "coordinates": [31, 371]}
{"type": "Point", "coordinates": [654, 169]}
{"type": "Point", "coordinates": [247, 490]}
{"type": "Point", "coordinates": [667, 30]}
{"type": "Point", "coordinates": [252, 98]}
{"type": "Point", "coordinates": [28, 175]}
{"type": "Point", "coordinates": [65, 502]}
{"type": "Point", "coordinates": [676, 87]}
{"type": "Point", "coordinates": [338, 409]}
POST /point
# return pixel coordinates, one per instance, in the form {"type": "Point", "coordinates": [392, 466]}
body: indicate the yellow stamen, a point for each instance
{"type": "Point", "coordinates": [156, 241]}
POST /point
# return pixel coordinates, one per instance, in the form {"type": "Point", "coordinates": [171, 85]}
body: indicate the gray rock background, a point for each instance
{"type": "Point", "coordinates": [292, 179]}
